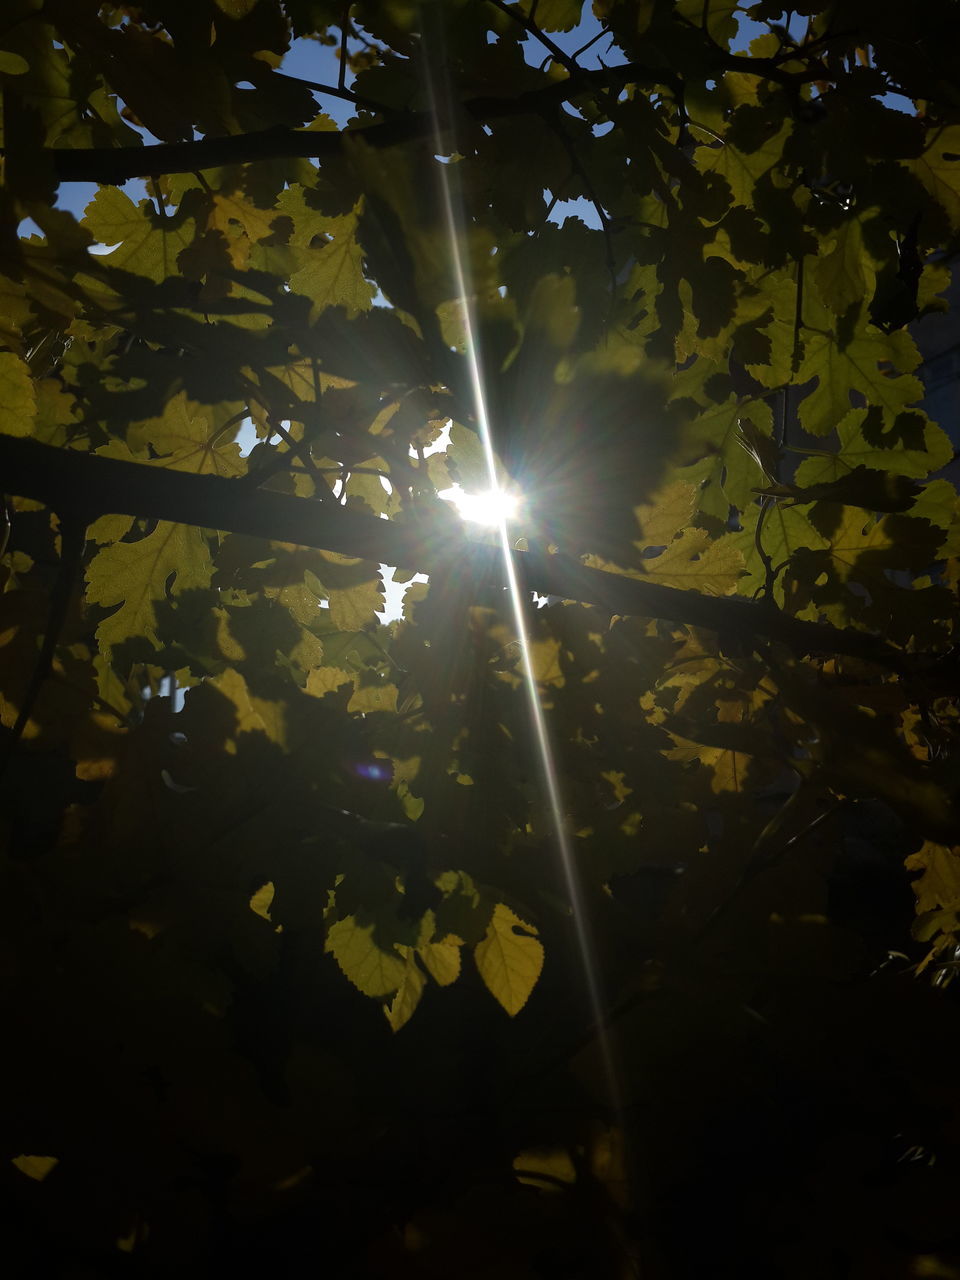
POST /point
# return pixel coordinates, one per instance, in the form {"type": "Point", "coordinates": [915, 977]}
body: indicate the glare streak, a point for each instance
{"type": "Point", "coordinates": [551, 780]}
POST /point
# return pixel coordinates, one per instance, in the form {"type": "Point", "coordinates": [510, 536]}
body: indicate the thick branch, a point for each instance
{"type": "Point", "coordinates": [70, 481]}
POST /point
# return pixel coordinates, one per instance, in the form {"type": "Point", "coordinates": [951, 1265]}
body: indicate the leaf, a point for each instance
{"type": "Point", "coordinates": [371, 968]}
{"type": "Point", "coordinates": [666, 514]}
{"type": "Point", "coordinates": [137, 576]}
{"type": "Point", "coordinates": [910, 445]}
{"type": "Point", "coordinates": [861, 487]}
{"type": "Point", "coordinates": [262, 900]}
{"type": "Point", "coordinates": [332, 273]}
{"type": "Point", "coordinates": [786, 530]}
{"type": "Point", "coordinates": [11, 64]}
{"type": "Point", "coordinates": [938, 168]}
{"type": "Point", "coordinates": [354, 590]}
{"type": "Point", "coordinates": [236, 8]}
{"type": "Point", "coordinates": [844, 273]}
{"type": "Point", "coordinates": [743, 169]}
{"type": "Point", "coordinates": [859, 364]}
{"type": "Point", "coordinates": [186, 439]}
{"type": "Point", "coordinates": [698, 562]}
{"type": "Point", "coordinates": [404, 1003]}
{"type": "Point", "coordinates": [36, 1167]}
{"type": "Point", "coordinates": [555, 15]}
{"type": "Point", "coordinates": [147, 243]}
{"type": "Point", "coordinates": [938, 884]}
{"type": "Point", "coordinates": [253, 714]}
{"type": "Point", "coordinates": [18, 401]}
{"type": "Point", "coordinates": [509, 962]}
{"type": "Point", "coordinates": [441, 959]}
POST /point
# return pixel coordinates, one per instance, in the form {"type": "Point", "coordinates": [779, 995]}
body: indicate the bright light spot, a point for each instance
{"type": "Point", "coordinates": [489, 508]}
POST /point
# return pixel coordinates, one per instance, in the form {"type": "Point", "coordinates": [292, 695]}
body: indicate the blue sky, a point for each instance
{"type": "Point", "coordinates": [309, 60]}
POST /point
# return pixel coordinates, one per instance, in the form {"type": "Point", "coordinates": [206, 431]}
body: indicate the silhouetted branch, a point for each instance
{"type": "Point", "coordinates": [87, 485]}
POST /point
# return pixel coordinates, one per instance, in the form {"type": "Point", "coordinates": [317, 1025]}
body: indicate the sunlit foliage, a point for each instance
{"type": "Point", "coordinates": [292, 974]}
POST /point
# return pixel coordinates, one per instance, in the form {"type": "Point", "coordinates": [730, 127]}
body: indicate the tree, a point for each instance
{"type": "Point", "coordinates": [502, 938]}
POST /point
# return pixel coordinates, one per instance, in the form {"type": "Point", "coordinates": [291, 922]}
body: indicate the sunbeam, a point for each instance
{"type": "Point", "coordinates": [497, 505]}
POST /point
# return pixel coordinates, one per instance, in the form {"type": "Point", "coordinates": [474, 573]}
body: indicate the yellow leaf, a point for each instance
{"type": "Point", "coordinates": [509, 962]}
{"type": "Point", "coordinates": [866, 363]}
{"type": "Point", "coordinates": [354, 590]}
{"type": "Point", "coordinates": [36, 1167]}
{"type": "Point", "coordinates": [231, 211]}
{"type": "Point", "coordinates": [938, 168]}
{"type": "Point", "coordinates": [545, 661]}
{"type": "Point", "coordinates": [147, 243]}
{"type": "Point", "coordinates": [332, 273]}
{"type": "Point", "coordinates": [187, 440]}
{"type": "Point", "coordinates": [18, 401]}
{"type": "Point", "coordinates": [262, 900]}
{"type": "Point", "coordinates": [856, 534]}
{"type": "Point", "coordinates": [138, 575]}
{"type": "Point", "coordinates": [401, 1008]}
{"type": "Point", "coordinates": [373, 697]}
{"type": "Point", "coordinates": [666, 514]}
{"type": "Point", "coordinates": [254, 715]}
{"type": "Point", "coordinates": [728, 769]}
{"type": "Point", "coordinates": [324, 680]}
{"type": "Point", "coordinates": [545, 1168]}
{"type": "Point", "coordinates": [938, 884]}
{"type": "Point", "coordinates": [441, 959]}
{"type": "Point", "coordinates": [743, 169]}
{"type": "Point", "coordinates": [844, 273]}
{"type": "Point", "coordinates": [372, 969]}
{"type": "Point", "coordinates": [699, 562]}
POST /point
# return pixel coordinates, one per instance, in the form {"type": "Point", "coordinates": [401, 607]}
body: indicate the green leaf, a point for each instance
{"type": "Point", "coordinates": [509, 962]}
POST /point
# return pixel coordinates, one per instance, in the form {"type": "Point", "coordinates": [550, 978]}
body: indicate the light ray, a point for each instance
{"type": "Point", "coordinates": [500, 513]}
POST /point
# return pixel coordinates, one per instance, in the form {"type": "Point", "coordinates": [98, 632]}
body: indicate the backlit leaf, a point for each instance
{"type": "Point", "coordinates": [509, 958]}
{"type": "Point", "coordinates": [139, 575]}
{"type": "Point", "coordinates": [374, 970]}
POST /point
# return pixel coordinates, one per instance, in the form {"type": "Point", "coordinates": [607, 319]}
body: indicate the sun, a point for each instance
{"type": "Point", "coordinates": [489, 508]}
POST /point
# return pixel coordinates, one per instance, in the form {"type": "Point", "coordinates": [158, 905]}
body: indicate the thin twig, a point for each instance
{"type": "Point", "coordinates": [604, 31]}
{"type": "Point", "coordinates": [341, 78]}
{"type": "Point", "coordinates": [797, 320]}
{"type": "Point", "coordinates": [529, 25]}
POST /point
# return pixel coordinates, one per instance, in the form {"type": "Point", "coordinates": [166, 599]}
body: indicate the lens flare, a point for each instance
{"type": "Point", "coordinates": [518, 597]}
{"type": "Point", "coordinates": [488, 508]}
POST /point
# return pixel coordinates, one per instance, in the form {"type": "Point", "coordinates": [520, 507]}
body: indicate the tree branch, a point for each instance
{"type": "Point", "coordinates": [115, 165]}
{"type": "Point", "coordinates": [70, 481]}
